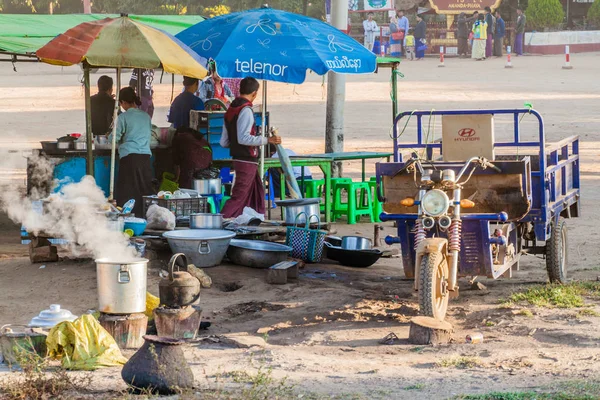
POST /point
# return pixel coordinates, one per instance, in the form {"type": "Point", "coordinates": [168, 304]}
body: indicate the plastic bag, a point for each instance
{"type": "Point", "coordinates": [247, 215]}
{"type": "Point", "coordinates": [151, 303]}
{"type": "Point", "coordinates": [168, 183]}
{"type": "Point", "coordinates": [208, 173]}
{"type": "Point", "coordinates": [83, 345]}
{"type": "Point", "coordinates": [160, 218]}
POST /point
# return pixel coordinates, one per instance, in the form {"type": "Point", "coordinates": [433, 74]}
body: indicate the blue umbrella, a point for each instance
{"type": "Point", "coordinates": [277, 46]}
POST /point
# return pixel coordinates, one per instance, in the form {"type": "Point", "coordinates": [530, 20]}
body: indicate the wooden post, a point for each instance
{"type": "Point", "coordinates": [113, 146]}
{"type": "Point", "coordinates": [427, 330]}
{"type": "Point", "coordinates": [89, 138]}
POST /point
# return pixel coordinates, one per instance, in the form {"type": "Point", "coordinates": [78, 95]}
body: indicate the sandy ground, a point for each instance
{"type": "Point", "coordinates": [323, 331]}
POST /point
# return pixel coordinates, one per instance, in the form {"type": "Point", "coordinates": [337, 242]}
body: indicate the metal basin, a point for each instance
{"type": "Point", "coordinates": [257, 253]}
{"type": "Point", "coordinates": [203, 247]}
{"type": "Point", "coordinates": [356, 243]}
{"type": "Point", "coordinates": [353, 258]}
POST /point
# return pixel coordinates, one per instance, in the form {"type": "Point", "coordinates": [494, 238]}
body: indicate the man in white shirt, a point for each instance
{"type": "Point", "coordinates": [371, 29]}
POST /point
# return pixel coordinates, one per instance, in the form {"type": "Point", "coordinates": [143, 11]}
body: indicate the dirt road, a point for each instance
{"type": "Point", "coordinates": [323, 332]}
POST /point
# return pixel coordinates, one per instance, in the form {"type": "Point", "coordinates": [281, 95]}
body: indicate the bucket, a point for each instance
{"type": "Point", "coordinates": [121, 286]}
{"type": "Point", "coordinates": [21, 342]}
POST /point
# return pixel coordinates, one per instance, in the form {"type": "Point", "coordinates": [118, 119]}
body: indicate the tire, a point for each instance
{"type": "Point", "coordinates": [433, 286]}
{"type": "Point", "coordinates": [557, 252]}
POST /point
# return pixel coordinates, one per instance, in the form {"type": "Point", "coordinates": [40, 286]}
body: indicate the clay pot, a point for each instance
{"type": "Point", "coordinates": [158, 366]}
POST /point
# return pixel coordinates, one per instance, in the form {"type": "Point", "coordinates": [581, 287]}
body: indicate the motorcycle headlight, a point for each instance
{"type": "Point", "coordinates": [435, 203]}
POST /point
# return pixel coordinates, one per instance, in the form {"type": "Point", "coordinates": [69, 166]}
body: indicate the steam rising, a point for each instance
{"type": "Point", "coordinates": [75, 214]}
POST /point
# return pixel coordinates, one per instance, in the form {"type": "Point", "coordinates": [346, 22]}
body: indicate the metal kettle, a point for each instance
{"type": "Point", "coordinates": [181, 288]}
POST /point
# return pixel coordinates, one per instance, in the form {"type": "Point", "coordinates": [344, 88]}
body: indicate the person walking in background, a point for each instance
{"type": "Point", "coordinates": [420, 35]}
{"type": "Point", "coordinates": [409, 45]}
{"type": "Point", "coordinates": [147, 92]}
{"type": "Point", "coordinates": [499, 34]}
{"type": "Point", "coordinates": [463, 35]}
{"type": "Point", "coordinates": [370, 28]}
{"type": "Point", "coordinates": [479, 39]}
{"type": "Point", "coordinates": [396, 38]}
{"type": "Point", "coordinates": [489, 20]}
{"type": "Point", "coordinates": [103, 106]}
{"type": "Point", "coordinates": [519, 31]}
{"type": "Point", "coordinates": [403, 26]}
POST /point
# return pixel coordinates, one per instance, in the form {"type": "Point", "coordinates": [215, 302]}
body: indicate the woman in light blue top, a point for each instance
{"type": "Point", "coordinates": [134, 129]}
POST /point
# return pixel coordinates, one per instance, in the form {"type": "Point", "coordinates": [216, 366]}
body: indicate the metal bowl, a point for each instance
{"type": "Point", "coordinates": [353, 258]}
{"type": "Point", "coordinates": [356, 243]}
{"type": "Point", "coordinates": [257, 253]}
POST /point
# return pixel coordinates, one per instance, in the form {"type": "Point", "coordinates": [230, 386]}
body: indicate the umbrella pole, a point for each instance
{"type": "Point", "coordinates": [264, 132]}
{"type": "Point", "coordinates": [394, 91]}
{"type": "Point", "coordinates": [113, 148]}
{"type": "Point", "coordinates": [88, 121]}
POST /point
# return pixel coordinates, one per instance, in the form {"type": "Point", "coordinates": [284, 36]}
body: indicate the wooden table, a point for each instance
{"type": "Point", "coordinates": [348, 155]}
{"type": "Point", "coordinates": [301, 161]}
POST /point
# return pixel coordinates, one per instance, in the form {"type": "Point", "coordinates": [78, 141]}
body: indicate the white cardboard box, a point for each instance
{"type": "Point", "coordinates": [466, 136]}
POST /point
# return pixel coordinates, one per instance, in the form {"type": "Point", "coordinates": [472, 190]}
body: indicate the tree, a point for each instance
{"type": "Point", "coordinates": [594, 13]}
{"type": "Point", "coordinates": [545, 14]}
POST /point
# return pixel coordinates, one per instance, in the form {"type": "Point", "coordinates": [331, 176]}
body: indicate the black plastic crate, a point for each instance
{"type": "Point", "coordinates": [179, 207]}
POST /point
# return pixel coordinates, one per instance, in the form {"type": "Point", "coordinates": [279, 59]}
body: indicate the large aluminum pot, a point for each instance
{"type": "Point", "coordinates": [292, 208]}
{"type": "Point", "coordinates": [207, 186]}
{"type": "Point", "coordinates": [257, 253]}
{"type": "Point", "coordinates": [203, 247]}
{"type": "Point", "coordinates": [206, 221]}
{"type": "Point", "coordinates": [121, 286]}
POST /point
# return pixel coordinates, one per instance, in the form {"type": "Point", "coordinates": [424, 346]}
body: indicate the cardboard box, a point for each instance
{"type": "Point", "coordinates": [466, 136]}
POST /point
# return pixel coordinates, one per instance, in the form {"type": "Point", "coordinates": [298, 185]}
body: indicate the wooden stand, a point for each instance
{"type": "Point", "coordinates": [127, 330]}
{"type": "Point", "coordinates": [426, 330]}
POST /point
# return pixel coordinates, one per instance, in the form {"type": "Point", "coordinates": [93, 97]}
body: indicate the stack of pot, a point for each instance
{"type": "Point", "coordinates": [122, 300]}
{"type": "Point", "coordinates": [179, 315]}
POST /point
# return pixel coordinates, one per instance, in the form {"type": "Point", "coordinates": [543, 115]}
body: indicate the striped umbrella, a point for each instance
{"type": "Point", "coordinates": [123, 43]}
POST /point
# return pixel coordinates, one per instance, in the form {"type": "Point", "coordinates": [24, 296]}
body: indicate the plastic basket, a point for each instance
{"type": "Point", "coordinates": [307, 244]}
{"type": "Point", "coordinates": [179, 207]}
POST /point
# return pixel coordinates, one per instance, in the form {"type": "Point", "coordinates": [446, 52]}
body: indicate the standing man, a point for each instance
{"type": "Point", "coordinates": [241, 136]}
{"type": "Point", "coordinates": [520, 31]}
{"type": "Point", "coordinates": [147, 89]}
{"type": "Point", "coordinates": [403, 27]}
{"type": "Point", "coordinates": [463, 35]}
{"type": "Point", "coordinates": [489, 20]}
{"type": "Point", "coordinates": [420, 33]}
{"type": "Point", "coordinates": [370, 28]}
{"type": "Point", "coordinates": [179, 113]}
{"type": "Point", "coordinates": [499, 34]}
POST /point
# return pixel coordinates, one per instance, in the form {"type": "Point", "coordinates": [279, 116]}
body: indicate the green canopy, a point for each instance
{"type": "Point", "coordinates": [26, 33]}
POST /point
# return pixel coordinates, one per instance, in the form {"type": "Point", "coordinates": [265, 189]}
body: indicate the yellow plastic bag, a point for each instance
{"type": "Point", "coordinates": [151, 303]}
{"type": "Point", "coordinates": [83, 345]}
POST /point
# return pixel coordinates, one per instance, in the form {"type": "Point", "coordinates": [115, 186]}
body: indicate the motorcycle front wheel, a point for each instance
{"type": "Point", "coordinates": [433, 286]}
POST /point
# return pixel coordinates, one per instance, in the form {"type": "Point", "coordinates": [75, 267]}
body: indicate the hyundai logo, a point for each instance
{"type": "Point", "coordinates": [466, 132]}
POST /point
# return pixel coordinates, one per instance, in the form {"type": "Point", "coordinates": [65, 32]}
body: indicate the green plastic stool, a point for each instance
{"type": "Point", "coordinates": [223, 201]}
{"type": "Point", "coordinates": [377, 205]}
{"type": "Point", "coordinates": [313, 188]}
{"type": "Point", "coordinates": [334, 183]}
{"type": "Point", "coordinates": [211, 204]}
{"type": "Point", "coordinates": [353, 209]}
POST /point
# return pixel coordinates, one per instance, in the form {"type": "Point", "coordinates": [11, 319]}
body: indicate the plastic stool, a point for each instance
{"type": "Point", "coordinates": [212, 207]}
{"type": "Point", "coordinates": [377, 205]}
{"type": "Point", "coordinates": [353, 209]}
{"type": "Point", "coordinates": [313, 188]}
{"type": "Point", "coordinates": [224, 200]}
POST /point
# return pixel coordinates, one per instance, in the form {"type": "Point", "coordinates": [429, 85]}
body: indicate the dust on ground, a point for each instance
{"type": "Point", "coordinates": [323, 331]}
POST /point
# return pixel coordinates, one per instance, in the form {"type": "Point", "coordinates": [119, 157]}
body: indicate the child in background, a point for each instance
{"type": "Point", "coordinates": [409, 45]}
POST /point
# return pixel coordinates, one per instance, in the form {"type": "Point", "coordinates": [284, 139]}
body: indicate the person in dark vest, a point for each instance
{"type": "Point", "coordinates": [241, 137]}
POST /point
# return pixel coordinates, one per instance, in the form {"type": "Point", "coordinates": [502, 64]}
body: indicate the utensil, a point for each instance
{"type": "Point", "coordinates": [206, 221]}
{"type": "Point", "coordinates": [293, 208]}
{"type": "Point", "coordinates": [356, 243]}
{"type": "Point", "coordinates": [64, 145]}
{"type": "Point", "coordinates": [203, 247]}
{"type": "Point", "coordinates": [121, 286]}
{"type": "Point", "coordinates": [137, 225]}
{"type": "Point", "coordinates": [334, 240]}
{"type": "Point", "coordinates": [180, 288]}
{"type": "Point", "coordinates": [49, 318]}
{"type": "Point", "coordinates": [49, 147]}
{"type": "Point", "coordinates": [257, 253]}
{"type": "Point", "coordinates": [207, 186]}
{"type": "Point", "coordinates": [353, 258]}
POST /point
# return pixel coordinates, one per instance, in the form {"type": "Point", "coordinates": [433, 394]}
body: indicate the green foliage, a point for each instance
{"type": "Point", "coordinates": [593, 14]}
{"type": "Point", "coordinates": [544, 14]}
